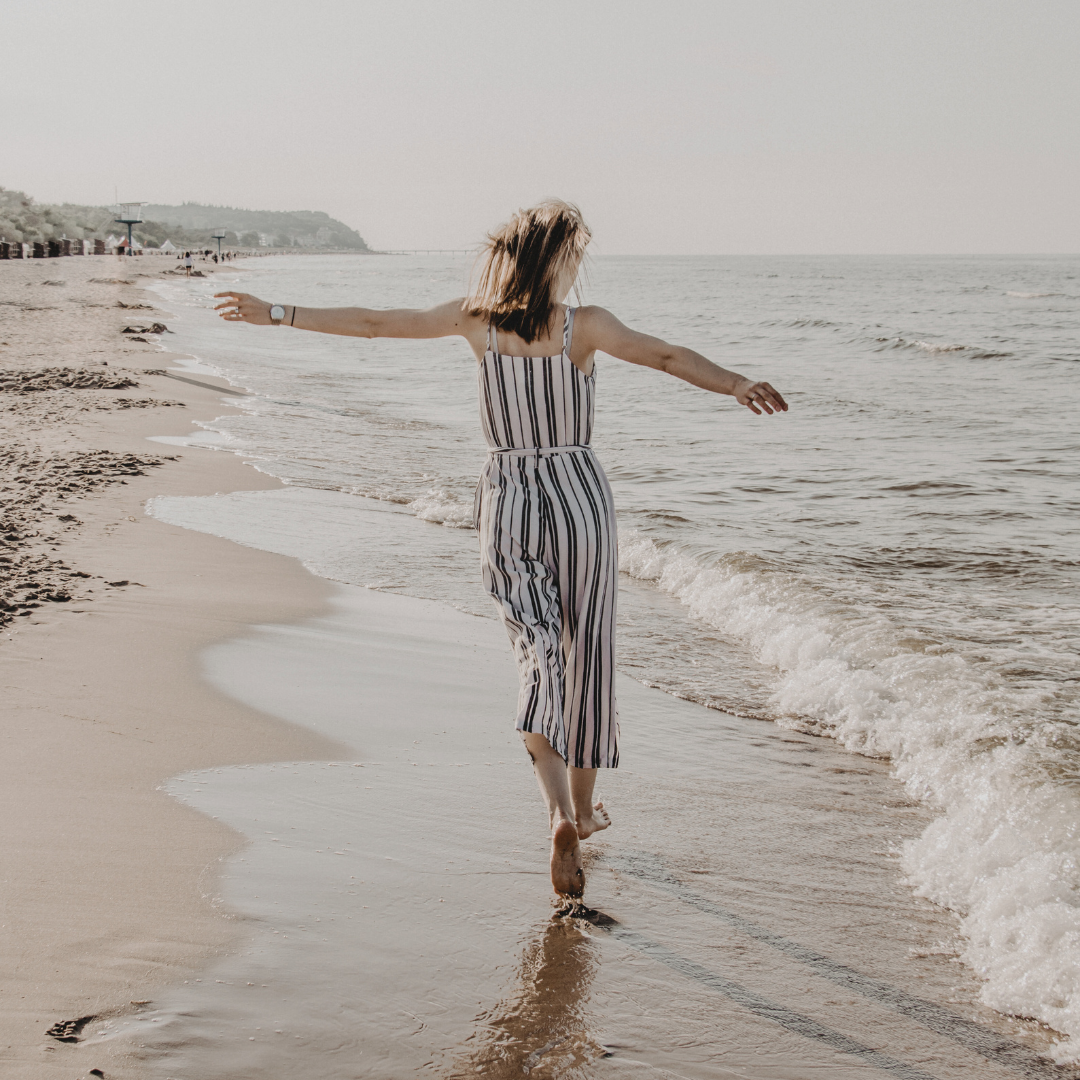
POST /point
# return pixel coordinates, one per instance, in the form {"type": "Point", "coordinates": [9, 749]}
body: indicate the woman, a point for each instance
{"type": "Point", "coordinates": [543, 506]}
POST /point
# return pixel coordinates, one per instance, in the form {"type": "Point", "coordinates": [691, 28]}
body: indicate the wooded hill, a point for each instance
{"type": "Point", "coordinates": [287, 228]}
{"type": "Point", "coordinates": [188, 225]}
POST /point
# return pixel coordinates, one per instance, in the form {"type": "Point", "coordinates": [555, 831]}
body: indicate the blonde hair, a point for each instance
{"type": "Point", "coordinates": [521, 264]}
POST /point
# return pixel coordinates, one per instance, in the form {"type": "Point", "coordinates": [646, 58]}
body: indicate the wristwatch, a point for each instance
{"type": "Point", "coordinates": [277, 313]}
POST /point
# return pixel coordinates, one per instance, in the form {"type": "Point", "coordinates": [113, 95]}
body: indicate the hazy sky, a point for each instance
{"type": "Point", "coordinates": [678, 126]}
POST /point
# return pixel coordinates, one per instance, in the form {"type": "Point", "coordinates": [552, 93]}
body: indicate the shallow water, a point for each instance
{"type": "Point", "coordinates": [891, 563]}
{"type": "Point", "coordinates": [748, 917]}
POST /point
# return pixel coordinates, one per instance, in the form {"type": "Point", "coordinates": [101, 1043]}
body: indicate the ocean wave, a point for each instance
{"type": "Point", "coordinates": [1037, 295]}
{"type": "Point", "coordinates": [1004, 852]}
{"type": "Point", "coordinates": [801, 323]}
{"type": "Point", "coordinates": [443, 508]}
{"type": "Point", "coordinates": [934, 348]}
{"type": "Point", "coordinates": [938, 347]}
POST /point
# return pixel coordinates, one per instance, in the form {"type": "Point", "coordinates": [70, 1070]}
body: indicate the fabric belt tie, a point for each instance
{"type": "Point", "coordinates": [538, 451]}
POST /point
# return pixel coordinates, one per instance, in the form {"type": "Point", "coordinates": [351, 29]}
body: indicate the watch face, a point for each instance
{"type": "Point", "coordinates": [277, 312]}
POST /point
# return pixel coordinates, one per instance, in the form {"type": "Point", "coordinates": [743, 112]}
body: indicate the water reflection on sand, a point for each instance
{"type": "Point", "coordinates": [546, 1020]}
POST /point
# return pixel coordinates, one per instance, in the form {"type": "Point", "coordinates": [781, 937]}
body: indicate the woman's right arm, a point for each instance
{"type": "Point", "coordinates": [445, 320]}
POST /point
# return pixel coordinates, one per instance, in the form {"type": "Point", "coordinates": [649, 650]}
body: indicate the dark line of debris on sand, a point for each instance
{"type": "Point", "coordinates": [32, 492]}
{"type": "Point", "coordinates": [36, 485]}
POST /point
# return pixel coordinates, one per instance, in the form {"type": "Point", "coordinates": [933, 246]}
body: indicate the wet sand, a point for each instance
{"type": "Point", "coordinates": [746, 915]}
{"type": "Point", "coordinates": [292, 822]}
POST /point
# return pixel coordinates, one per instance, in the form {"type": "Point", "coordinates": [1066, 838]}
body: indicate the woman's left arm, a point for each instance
{"type": "Point", "coordinates": [445, 320]}
{"type": "Point", "coordinates": [601, 330]}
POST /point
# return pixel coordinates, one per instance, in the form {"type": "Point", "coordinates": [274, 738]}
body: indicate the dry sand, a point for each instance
{"type": "Point", "coordinates": [107, 882]}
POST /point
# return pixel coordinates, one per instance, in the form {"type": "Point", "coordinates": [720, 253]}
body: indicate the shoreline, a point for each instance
{"type": "Point", "coordinates": [130, 920]}
{"type": "Point", "coordinates": [108, 880]}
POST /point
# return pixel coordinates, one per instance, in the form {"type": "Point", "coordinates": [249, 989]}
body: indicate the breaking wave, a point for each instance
{"type": "Point", "coordinates": [975, 352]}
{"type": "Point", "coordinates": [443, 508]}
{"type": "Point", "coordinates": [1004, 852]}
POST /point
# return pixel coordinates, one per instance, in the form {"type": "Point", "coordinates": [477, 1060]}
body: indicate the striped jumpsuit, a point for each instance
{"type": "Point", "coordinates": [548, 551]}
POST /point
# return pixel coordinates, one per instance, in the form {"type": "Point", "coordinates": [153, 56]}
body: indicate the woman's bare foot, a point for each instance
{"type": "Point", "coordinates": [592, 822]}
{"type": "Point", "coordinates": [567, 876]}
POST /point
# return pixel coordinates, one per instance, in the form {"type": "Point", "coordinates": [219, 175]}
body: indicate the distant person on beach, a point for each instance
{"type": "Point", "coordinates": [189, 262]}
{"type": "Point", "coordinates": [543, 507]}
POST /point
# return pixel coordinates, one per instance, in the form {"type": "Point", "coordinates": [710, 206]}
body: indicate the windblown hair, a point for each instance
{"type": "Point", "coordinates": [521, 263]}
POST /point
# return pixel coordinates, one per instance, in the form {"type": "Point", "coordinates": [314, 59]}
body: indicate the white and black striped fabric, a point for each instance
{"type": "Point", "coordinates": [548, 548]}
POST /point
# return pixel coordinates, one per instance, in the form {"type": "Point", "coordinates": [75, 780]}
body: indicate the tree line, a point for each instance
{"type": "Point", "coordinates": [189, 225]}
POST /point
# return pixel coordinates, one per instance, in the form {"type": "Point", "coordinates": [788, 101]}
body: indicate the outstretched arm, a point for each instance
{"type": "Point", "coordinates": [601, 330]}
{"type": "Point", "coordinates": [446, 320]}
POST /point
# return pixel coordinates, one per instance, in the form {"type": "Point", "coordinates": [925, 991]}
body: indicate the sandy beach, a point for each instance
{"type": "Point", "coordinates": [108, 883]}
{"type": "Point", "coordinates": [257, 823]}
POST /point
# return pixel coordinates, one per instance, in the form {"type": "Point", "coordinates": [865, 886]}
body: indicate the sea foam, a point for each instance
{"type": "Point", "coordinates": [443, 508]}
{"type": "Point", "coordinates": [1004, 852]}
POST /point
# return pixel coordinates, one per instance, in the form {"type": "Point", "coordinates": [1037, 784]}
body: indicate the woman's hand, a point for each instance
{"type": "Point", "coordinates": [755, 394]}
{"type": "Point", "coordinates": [243, 307]}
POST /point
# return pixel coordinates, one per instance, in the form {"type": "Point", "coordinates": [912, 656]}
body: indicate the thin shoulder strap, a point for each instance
{"type": "Point", "coordinates": [493, 338]}
{"type": "Point", "coordinates": [568, 331]}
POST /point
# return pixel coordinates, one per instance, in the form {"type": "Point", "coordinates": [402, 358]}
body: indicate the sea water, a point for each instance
{"type": "Point", "coordinates": [893, 563]}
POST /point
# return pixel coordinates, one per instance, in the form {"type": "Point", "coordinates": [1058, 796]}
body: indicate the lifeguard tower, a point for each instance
{"type": "Point", "coordinates": [130, 214]}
